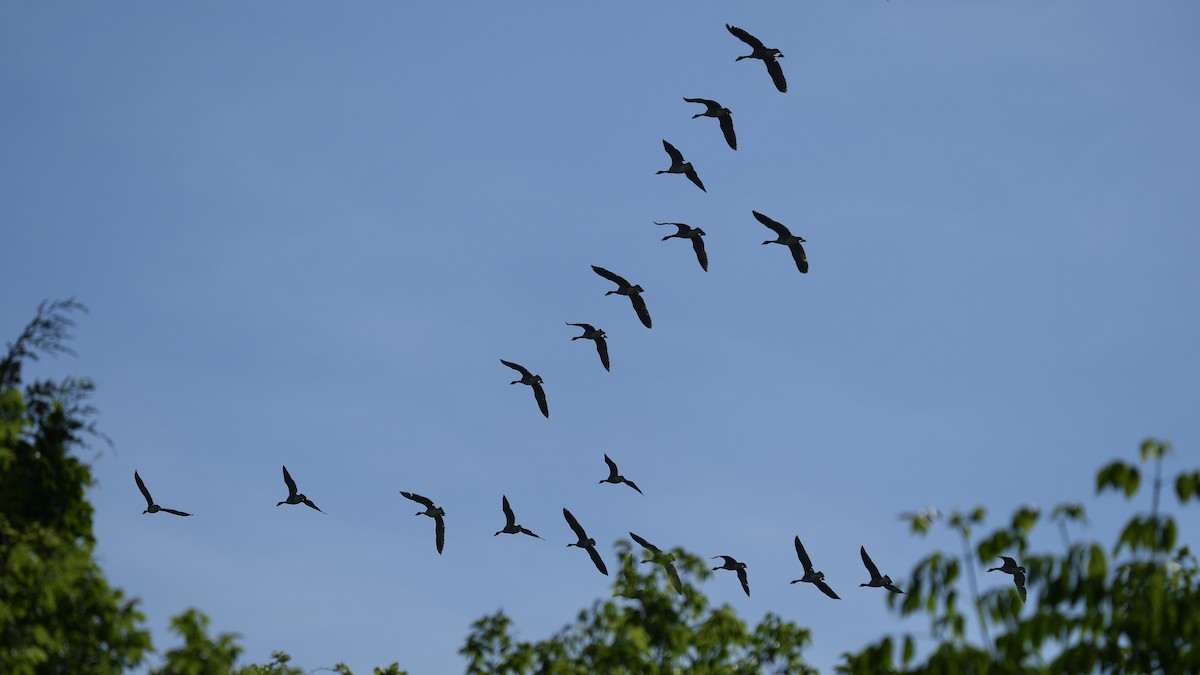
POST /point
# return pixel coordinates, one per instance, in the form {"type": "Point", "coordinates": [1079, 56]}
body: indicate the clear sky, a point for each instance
{"type": "Point", "coordinates": [308, 231]}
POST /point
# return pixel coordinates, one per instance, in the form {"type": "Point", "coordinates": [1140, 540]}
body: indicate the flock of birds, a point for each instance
{"type": "Point", "coordinates": [655, 555]}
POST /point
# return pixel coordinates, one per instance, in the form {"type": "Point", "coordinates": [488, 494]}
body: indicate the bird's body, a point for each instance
{"type": "Point", "coordinates": [812, 576]}
{"type": "Point", "coordinates": [723, 115]}
{"type": "Point", "coordinates": [532, 380]}
{"type": "Point", "coordinates": [685, 231]}
{"type": "Point", "coordinates": [734, 565]}
{"type": "Point", "coordinates": [1010, 566]}
{"type": "Point", "coordinates": [295, 497]}
{"type": "Point", "coordinates": [633, 292]}
{"type": "Point", "coordinates": [616, 478]}
{"type": "Point", "coordinates": [432, 511]}
{"type": "Point", "coordinates": [590, 332]}
{"type": "Point", "coordinates": [767, 55]}
{"type": "Point", "coordinates": [151, 507]}
{"type": "Point", "coordinates": [510, 521]}
{"type": "Point", "coordinates": [680, 166]}
{"type": "Point", "coordinates": [785, 237]}
{"type": "Point", "coordinates": [877, 581]}
{"type": "Point", "coordinates": [666, 560]}
{"type": "Point", "coordinates": [585, 542]}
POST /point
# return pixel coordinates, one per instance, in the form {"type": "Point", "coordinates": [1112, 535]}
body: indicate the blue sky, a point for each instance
{"type": "Point", "coordinates": [307, 232]}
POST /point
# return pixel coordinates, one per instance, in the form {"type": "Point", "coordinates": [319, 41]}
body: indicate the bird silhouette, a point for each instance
{"type": "Point", "coordinates": [666, 560]}
{"type": "Point", "coordinates": [876, 581]}
{"type": "Point", "coordinates": [590, 332]}
{"type": "Point", "coordinates": [680, 166]}
{"type": "Point", "coordinates": [510, 521]}
{"type": "Point", "coordinates": [815, 578]}
{"type": "Point", "coordinates": [685, 231]}
{"type": "Point", "coordinates": [1010, 566]}
{"type": "Point", "coordinates": [739, 567]}
{"type": "Point", "coordinates": [585, 542]}
{"type": "Point", "coordinates": [532, 380]}
{"type": "Point", "coordinates": [616, 478]}
{"type": "Point", "coordinates": [293, 496]}
{"type": "Point", "coordinates": [786, 238]}
{"type": "Point", "coordinates": [634, 293]}
{"type": "Point", "coordinates": [767, 54]}
{"type": "Point", "coordinates": [151, 507]}
{"type": "Point", "coordinates": [433, 512]}
{"type": "Point", "coordinates": [722, 114]}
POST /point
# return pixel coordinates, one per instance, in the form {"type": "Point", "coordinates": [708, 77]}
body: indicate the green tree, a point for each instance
{"type": "Point", "coordinates": [1132, 609]}
{"type": "Point", "coordinates": [647, 628]}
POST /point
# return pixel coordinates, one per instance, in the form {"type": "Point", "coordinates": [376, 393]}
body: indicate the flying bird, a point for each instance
{"type": "Point", "coordinates": [616, 478]}
{"type": "Point", "coordinates": [876, 580]}
{"type": "Point", "coordinates": [739, 567]}
{"type": "Point", "coordinates": [532, 380]}
{"type": "Point", "coordinates": [685, 231]}
{"type": "Point", "coordinates": [680, 166]}
{"type": "Point", "coordinates": [627, 289]}
{"type": "Point", "coordinates": [510, 521]}
{"type": "Point", "coordinates": [151, 507]}
{"type": "Point", "coordinates": [817, 578]}
{"type": "Point", "coordinates": [585, 542]}
{"type": "Point", "coordinates": [590, 332]}
{"type": "Point", "coordinates": [663, 559]}
{"type": "Point", "coordinates": [293, 496]}
{"type": "Point", "coordinates": [721, 113]}
{"type": "Point", "coordinates": [786, 238]}
{"type": "Point", "coordinates": [767, 54]}
{"type": "Point", "coordinates": [1018, 573]}
{"type": "Point", "coordinates": [432, 511]}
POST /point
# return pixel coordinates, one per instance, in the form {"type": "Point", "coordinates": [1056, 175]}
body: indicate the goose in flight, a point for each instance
{"type": "Point", "coordinates": [510, 521]}
{"type": "Point", "coordinates": [661, 558]}
{"type": "Point", "coordinates": [590, 332]}
{"type": "Point", "coordinates": [786, 238]}
{"type": "Point", "coordinates": [876, 581]}
{"type": "Point", "coordinates": [1018, 573]}
{"type": "Point", "coordinates": [680, 166]}
{"type": "Point", "coordinates": [532, 380]}
{"type": "Point", "coordinates": [293, 496]}
{"type": "Point", "coordinates": [739, 567]}
{"type": "Point", "coordinates": [767, 54]}
{"type": "Point", "coordinates": [685, 231]}
{"type": "Point", "coordinates": [432, 511]}
{"type": "Point", "coordinates": [616, 478]}
{"type": "Point", "coordinates": [625, 288]}
{"type": "Point", "coordinates": [817, 578]}
{"type": "Point", "coordinates": [721, 113]}
{"type": "Point", "coordinates": [151, 507]}
{"type": "Point", "coordinates": [585, 542]}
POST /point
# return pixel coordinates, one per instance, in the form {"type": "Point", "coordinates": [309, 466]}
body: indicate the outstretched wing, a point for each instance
{"type": "Point", "coordinates": [639, 306]}
{"type": "Point", "coordinates": [575, 526]}
{"type": "Point", "coordinates": [424, 501]}
{"type": "Point", "coordinates": [1019, 580]}
{"type": "Point", "coordinates": [597, 560]}
{"type": "Point", "coordinates": [712, 105]}
{"type": "Point", "coordinates": [517, 367]}
{"type": "Point", "coordinates": [615, 278]}
{"type": "Point", "coordinates": [612, 467]}
{"type": "Point", "coordinates": [871, 568]}
{"type": "Point", "coordinates": [775, 226]}
{"type": "Point", "coordinates": [680, 228]}
{"type": "Point", "coordinates": [440, 533]}
{"type": "Point", "coordinates": [291, 484]}
{"type": "Point", "coordinates": [798, 255]}
{"type": "Point", "coordinates": [744, 36]}
{"type": "Point", "coordinates": [727, 129]}
{"type": "Point", "coordinates": [701, 254]}
{"type": "Point", "coordinates": [676, 156]}
{"type": "Point", "coordinates": [674, 574]}
{"type": "Point", "coordinates": [745, 582]}
{"type": "Point", "coordinates": [585, 326]}
{"type": "Point", "coordinates": [776, 72]}
{"type": "Point", "coordinates": [691, 174]}
{"type": "Point", "coordinates": [893, 589]}
{"type": "Point", "coordinates": [1009, 562]}
{"type": "Point", "coordinates": [826, 589]}
{"type": "Point", "coordinates": [602, 350]}
{"type": "Point", "coordinates": [309, 503]}
{"type": "Point", "coordinates": [178, 513]}
{"type": "Point", "coordinates": [803, 555]}
{"type": "Point", "coordinates": [540, 395]}
{"type": "Point", "coordinates": [528, 532]}
{"type": "Point", "coordinates": [509, 518]}
{"type": "Point", "coordinates": [645, 544]}
{"type": "Point", "coordinates": [145, 492]}
{"type": "Point", "coordinates": [633, 485]}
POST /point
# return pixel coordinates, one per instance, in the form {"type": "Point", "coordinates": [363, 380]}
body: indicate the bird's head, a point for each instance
{"type": "Point", "coordinates": [768, 242]}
